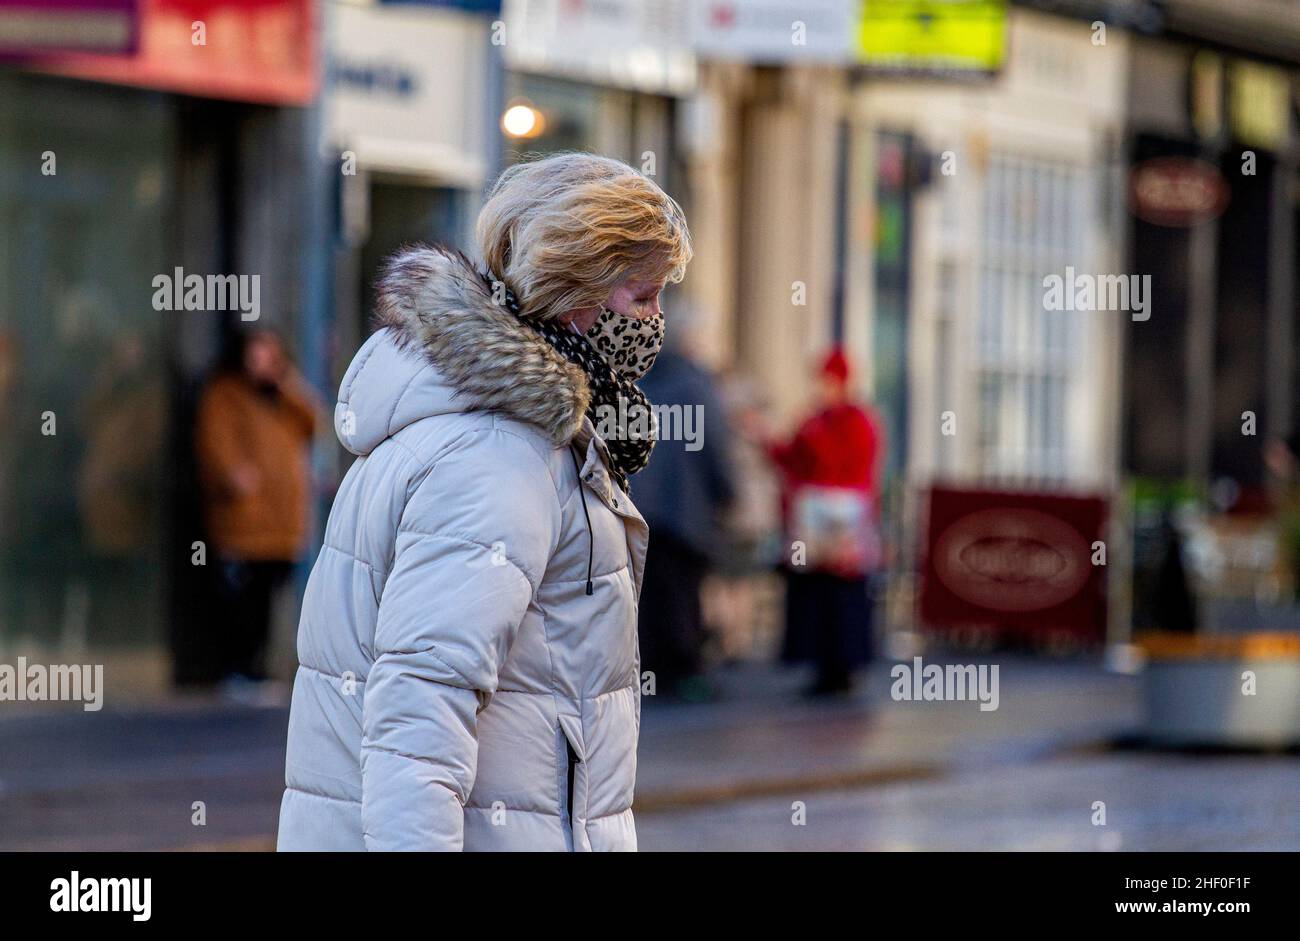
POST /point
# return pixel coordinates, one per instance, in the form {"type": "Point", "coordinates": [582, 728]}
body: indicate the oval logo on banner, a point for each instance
{"type": "Point", "coordinates": [1179, 192]}
{"type": "Point", "coordinates": [1012, 560]}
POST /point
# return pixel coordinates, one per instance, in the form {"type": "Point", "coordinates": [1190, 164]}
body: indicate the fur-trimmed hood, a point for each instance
{"type": "Point", "coordinates": [443, 346]}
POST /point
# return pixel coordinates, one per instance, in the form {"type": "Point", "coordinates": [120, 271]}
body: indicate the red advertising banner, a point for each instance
{"type": "Point", "coordinates": [1014, 560]}
{"type": "Point", "coordinates": [29, 27]}
{"type": "Point", "coordinates": [262, 51]}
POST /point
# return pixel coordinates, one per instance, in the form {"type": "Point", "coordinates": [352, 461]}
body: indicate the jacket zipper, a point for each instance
{"type": "Point", "coordinates": [591, 535]}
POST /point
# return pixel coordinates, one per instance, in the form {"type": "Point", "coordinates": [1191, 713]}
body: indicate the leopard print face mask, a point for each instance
{"type": "Point", "coordinates": [628, 344]}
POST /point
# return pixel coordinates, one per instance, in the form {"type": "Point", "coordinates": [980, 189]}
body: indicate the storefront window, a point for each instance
{"type": "Point", "coordinates": [1033, 223]}
{"type": "Point", "coordinates": [629, 126]}
{"type": "Point", "coordinates": [83, 192]}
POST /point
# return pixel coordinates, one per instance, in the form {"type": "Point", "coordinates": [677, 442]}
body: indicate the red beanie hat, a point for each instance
{"type": "Point", "coordinates": [836, 365]}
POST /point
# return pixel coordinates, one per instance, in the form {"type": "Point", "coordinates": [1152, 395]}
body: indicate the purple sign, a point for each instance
{"type": "Point", "coordinates": [43, 27]}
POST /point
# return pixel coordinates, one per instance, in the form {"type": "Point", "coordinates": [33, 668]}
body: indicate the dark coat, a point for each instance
{"type": "Point", "coordinates": [682, 492]}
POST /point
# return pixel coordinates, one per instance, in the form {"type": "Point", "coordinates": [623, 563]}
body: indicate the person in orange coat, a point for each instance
{"type": "Point", "coordinates": [256, 419]}
{"type": "Point", "coordinates": [829, 504]}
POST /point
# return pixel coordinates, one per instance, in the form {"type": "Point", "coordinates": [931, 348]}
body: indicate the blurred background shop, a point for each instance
{"type": "Point", "coordinates": [133, 146]}
{"type": "Point", "coordinates": [414, 96]}
{"type": "Point", "coordinates": [1211, 134]}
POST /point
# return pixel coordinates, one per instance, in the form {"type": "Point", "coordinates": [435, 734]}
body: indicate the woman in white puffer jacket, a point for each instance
{"type": "Point", "coordinates": [469, 675]}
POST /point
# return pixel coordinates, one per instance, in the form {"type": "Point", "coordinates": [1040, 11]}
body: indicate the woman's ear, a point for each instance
{"type": "Point", "coordinates": [580, 318]}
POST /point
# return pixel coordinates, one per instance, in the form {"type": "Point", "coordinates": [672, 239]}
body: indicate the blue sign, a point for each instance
{"type": "Point", "coordinates": [467, 6]}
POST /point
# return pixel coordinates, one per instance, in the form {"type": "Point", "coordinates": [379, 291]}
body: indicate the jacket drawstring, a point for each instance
{"type": "Point", "coordinates": [591, 535]}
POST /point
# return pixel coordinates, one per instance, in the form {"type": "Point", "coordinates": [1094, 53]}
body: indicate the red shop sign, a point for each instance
{"type": "Point", "coordinates": [263, 51]}
{"type": "Point", "coordinates": [1177, 191]}
{"type": "Point", "coordinates": [999, 558]}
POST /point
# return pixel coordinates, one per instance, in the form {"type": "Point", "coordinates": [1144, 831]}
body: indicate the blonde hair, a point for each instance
{"type": "Point", "coordinates": [564, 230]}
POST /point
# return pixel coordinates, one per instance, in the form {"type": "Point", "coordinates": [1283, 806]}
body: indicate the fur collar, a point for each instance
{"type": "Point", "coordinates": [434, 300]}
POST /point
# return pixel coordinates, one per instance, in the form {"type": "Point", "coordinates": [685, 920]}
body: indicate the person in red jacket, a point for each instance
{"type": "Point", "coordinates": [829, 504]}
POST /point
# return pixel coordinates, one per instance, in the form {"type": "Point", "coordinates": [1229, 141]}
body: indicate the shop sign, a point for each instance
{"type": "Point", "coordinates": [775, 31]}
{"type": "Point", "coordinates": [640, 45]}
{"type": "Point", "coordinates": [262, 51]}
{"type": "Point", "coordinates": [464, 6]}
{"type": "Point", "coordinates": [1177, 191]}
{"type": "Point", "coordinates": [932, 37]}
{"type": "Point", "coordinates": [1015, 559]}
{"type": "Point", "coordinates": [41, 27]}
{"type": "Point", "coordinates": [390, 71]}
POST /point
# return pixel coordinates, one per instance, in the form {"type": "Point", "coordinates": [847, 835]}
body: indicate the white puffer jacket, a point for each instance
{"type": "Point", "coordinates": [469, 672]}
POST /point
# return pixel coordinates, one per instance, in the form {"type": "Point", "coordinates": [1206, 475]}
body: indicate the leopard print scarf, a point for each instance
{"type": "Point", "coordinates": [620, 411]}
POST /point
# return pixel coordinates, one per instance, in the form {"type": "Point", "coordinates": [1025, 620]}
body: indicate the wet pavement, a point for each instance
{"type": "Point", "coordinates": [1152, 802]}
{"type": "Point", "coordinates": [129, 780]}
{"type": "Point", "coordinates": [763, 735]}
{"type": "Point", "coordinates": [759, 769]}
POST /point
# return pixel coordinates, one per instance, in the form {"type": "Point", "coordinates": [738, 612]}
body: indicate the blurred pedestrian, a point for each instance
{"type": "Point", "coordinates": [119, 482]}
{"type": "Point", "coordinates": [256, 419]}
{"type": "Point", "coordinates": [468, 640]}
{"type": "Point", "coordinates": [740, 598]}
{"type": "Point", "coordinates": [126, 422]}
{"type": "Point", "coordinates": [830, 506]}
{"type": "Point", "coordinates": [682, 493]}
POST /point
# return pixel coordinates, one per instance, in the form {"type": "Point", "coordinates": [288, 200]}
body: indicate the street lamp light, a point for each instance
{"type": "Point", "coordinates": [522, 120]}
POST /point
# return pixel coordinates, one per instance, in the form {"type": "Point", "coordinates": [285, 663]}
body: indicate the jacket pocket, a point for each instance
{"type": "Point", "coordinates": [567, 763]}
{"type": "Point", "coordinates": [573, 760]}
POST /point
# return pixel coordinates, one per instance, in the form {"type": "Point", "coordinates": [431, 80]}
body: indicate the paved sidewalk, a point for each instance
{"type": "Point", "coordinates": [129, 779]}
{"type": "Point", "coordinates": [764, 739]}
{"type": "Point", "coordinates": [1153, 802]}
